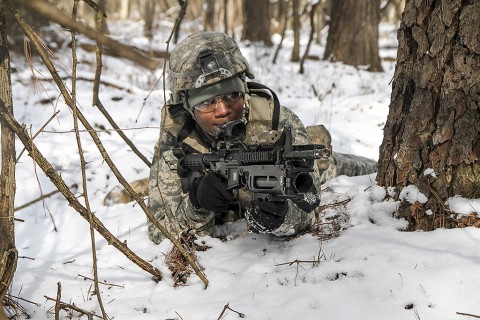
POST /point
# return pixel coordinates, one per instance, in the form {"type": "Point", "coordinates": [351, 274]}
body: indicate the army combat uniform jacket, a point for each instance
{"type": "Point", "coordinates": [172, 207]}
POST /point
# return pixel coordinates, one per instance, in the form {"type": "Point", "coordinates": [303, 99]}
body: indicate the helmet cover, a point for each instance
{"type": "Point", "coordinates": [203, 59]}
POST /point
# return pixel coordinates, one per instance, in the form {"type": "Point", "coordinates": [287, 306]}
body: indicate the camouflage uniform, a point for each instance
{"type": "Point", "coordinates": [173, 208]}
{"type": "Point", "coordinates": [202, 61]}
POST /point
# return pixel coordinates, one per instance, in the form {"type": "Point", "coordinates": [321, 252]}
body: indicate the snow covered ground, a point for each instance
{"type": "Point", "coordinates": [370, 270]}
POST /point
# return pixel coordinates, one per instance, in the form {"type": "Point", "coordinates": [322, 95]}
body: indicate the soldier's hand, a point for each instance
{"type": "Point", "coordinates": [210, 193]}
{"type": "Point", "coordinates": [266, 216]}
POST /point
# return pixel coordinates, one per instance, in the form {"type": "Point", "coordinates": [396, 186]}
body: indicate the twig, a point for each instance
{"type": "Point", "coordinates": [67, 306]}
{"type": "Point", "coordinates": [297, 262]}
{"type": "Point", "coordinates": [25, 257]}
{"type": "Point", "coordinates": [100, 282]}
{"type": "Point", "coordinates": [12, 306]}
{"type": "Point", "coordinates": [468, 315]}
{"type": "Point", "coordinates": [83, 162]}
{"type": "Point", "coordinates": [42, 197]}
{"type": "Point", "coordinates": [334, 204]}
{"type": "Point", "coordinates": [227, 307]}
{"type": "Point", "coordinates": [313, 10]}
{"type": "Point", "coordinates": [44, 204]}
{"type": "Point", "coordinates": [57, 301]}
{"type": "Point", "coordinates": [98, 103]}
{"type": "Point", "coordinates": [11, 296]}
{"type": "Point", "coordinates": [274, 60]}
{"type": "Point", "coordinates": [38, 132]}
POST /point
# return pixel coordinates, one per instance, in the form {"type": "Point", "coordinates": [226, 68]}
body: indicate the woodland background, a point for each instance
{"type": "Point", "coordinates": [434, 112]}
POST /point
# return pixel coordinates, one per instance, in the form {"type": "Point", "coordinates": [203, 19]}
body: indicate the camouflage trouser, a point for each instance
{"type": "Point", "coordinates": [348, 165]}
{"type": "Point", "coordinates": [339, 164]}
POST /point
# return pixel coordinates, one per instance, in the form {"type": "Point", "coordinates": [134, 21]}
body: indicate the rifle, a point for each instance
{"type": "Point", "coordinates": [272, 170]}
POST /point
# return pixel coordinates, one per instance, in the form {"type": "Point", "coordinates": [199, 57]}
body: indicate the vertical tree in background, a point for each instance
{"type": "Point", "coordinates": [209, 15]}
{"type": "Point", "coordinates": [8, 253]}
{"type": "Point", "coordinates": [434, 117]}
{"type": "Point", "coordinates": [256, 21]}
{"type": "Point", "coordinates": [149, 17]}
{"type": "Point", "coordinates": [296, 25]}
{"type": "Point", "coordinates": [353, 33]}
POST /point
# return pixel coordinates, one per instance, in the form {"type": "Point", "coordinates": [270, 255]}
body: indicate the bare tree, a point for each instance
{"type": "Point", "coordinates": [256, 22]}
{"type": "Point", "coordinates": [8, 252]}
{"type": "Point", "coordinates": [353, 33]}
{"type": "Point", "coordinates": [149, 15]}
{"type": "Point", "coordinates": [209, 15]}
{"type": "Point", "coordinates": [296, 25]}
{"type": "Point", "coordinates": [432, 135]}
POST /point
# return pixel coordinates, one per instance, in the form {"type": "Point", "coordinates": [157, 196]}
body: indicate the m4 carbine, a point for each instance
{"type": "Point", "coordinates": [276, 170]}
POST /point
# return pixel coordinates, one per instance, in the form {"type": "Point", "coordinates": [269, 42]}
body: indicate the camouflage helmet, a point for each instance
{"type": "Point", "coordinates": [203, 59]}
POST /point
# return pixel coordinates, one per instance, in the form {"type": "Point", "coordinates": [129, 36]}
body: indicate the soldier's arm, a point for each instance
{"type": "Point", "coordinates": [170, 206]}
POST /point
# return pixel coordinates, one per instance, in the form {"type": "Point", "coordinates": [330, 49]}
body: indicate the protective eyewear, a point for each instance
{"type": "Point", "coordinates": [211, 104]}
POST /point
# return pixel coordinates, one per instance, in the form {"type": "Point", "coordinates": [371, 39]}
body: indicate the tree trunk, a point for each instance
{"type": "Point", "coordinates": [124, 12]}
{"type": "Point", "coordinates": [8, 253]}
{"type": "Point", "coordinates": [225, 16]}
{"type": "Point", "coordinates": [434, 117]}
{"type": "Point", "coordinates": [209, 16]}
{"type": "Point", "coordinates": [296, 31]}
{"type": "Point", "coordinates": [256, 22]}
{"type": "Point", "coordinates": [149, 15]}
{"type": "Point", "coordinates": [353, 33]}
{"type": "Point", "coordinates": [320, 22]}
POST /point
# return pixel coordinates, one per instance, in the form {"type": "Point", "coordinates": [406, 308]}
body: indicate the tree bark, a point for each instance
{"type": "Point", "coordinates": [353, 33]}
{"type": "Point", "coordinates": [434, 117]}
{"type": "Point", "coordinates": [8, 252]}
{"type": "Point", "coordinates": [256, 22]}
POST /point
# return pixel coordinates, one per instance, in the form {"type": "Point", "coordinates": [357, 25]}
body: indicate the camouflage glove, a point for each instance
{"type": "Point", "coordinates": [266, 216]}
{"type": "Point", "coordinates": [210, 193]}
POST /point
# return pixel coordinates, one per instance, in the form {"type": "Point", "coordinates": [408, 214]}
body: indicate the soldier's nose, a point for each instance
{"type": "Point", "coordinates": [222, 109]}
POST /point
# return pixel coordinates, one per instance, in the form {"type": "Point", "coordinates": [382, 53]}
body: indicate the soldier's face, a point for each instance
{"type": "Point", "coordinates": [221, 114]}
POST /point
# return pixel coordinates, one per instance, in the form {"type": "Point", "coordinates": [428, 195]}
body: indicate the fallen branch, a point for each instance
{"type": "Point", "coordinates": [14, 309]}
{"type": "Point", "coordinates": [67, 307]}
{"type": "Point", "coordinates": [51, 13]}
{"type": "Point", "coordinates": [227, 307]}
{"type": "Point", "coordinates": [100, 282]}
{"type": "Point", "coordinates": [109, 52]}
{"type": "Point", "coordinates": [468, 315]}
{"type": "Point", "coordinates": [42, 197]}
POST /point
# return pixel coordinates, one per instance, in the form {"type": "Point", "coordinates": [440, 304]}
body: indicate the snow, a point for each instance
{"type": "Point", "coordinates": [370, 269]}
